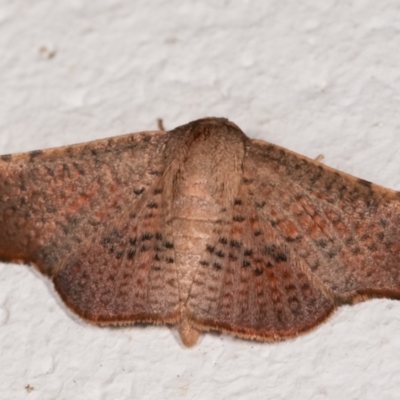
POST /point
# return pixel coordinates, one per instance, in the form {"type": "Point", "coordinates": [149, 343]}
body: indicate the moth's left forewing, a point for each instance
{"type": "Point", "coordinates": [345, 230]}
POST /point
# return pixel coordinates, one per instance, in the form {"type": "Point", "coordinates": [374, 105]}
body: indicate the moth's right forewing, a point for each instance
{"type": "Point", "coordinates": [53, 200]}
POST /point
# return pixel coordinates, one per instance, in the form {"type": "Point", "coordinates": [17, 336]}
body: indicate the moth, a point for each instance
{"type": "Point", "coordinates": [200, 227]}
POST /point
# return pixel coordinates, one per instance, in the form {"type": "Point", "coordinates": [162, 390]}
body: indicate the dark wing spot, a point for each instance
{"type": "Point", "coordinates": [119, 254]}
{"type": "Point", "coordinates": [210, 248]}
{"type": "Point", "coordinates": [131, 253]}
{"type": "Point", "coordinates": [380, 235]}
{"type": "Point", "coordinates": [291, 239]}
{"type": "Point", "coordinates": [232, 257]}
{"type": "Point", "coordinates": [280, 257]}
{"type": "Point", "coordinates": [138, 191]}
{"type": "Point", "coordinates": [235, 243]}
{"type": "Point", "coordinates": [268, 249]}
{"type": "Point", "coordinates": [247, 181]}
{"type": "Point", "coordinates": [79, 168]}
{"type": "Point", "coordinates": [317, 175]}
{"type": "Point", "coordinates": [146, 138]}
{"type": "Point", "coordinates": [321, 243]}
{"type": "Point", "coordinates": [146, 236]}
{"type": "Point", "coordinates": [223, 240]}
{"type": "Point", "coordinates": [332, 253]}
{"type": "Point", "coordinates": [217, 266]}
{"type": "Point", "coordinates": [383, 222]}
{"type": "Point", "coordinates": [349, 240]}
{"type": "Point", "coordinates": [220, 254]}
{"type": "Point", "coordinates": [372, 247]}
{"type": "Point", "coordinates": [6, 157]}
{"type": "Point", "coordinates": [158, 236]}
{"type": "Point", "coordinates": [268, 264]}
{"type": "Point", "coordinates": [238, 218]}
{"type": "Point", "coordinates": [34, 154]}
{"type": "Point", "coordinates": [152, 204]}
{"type": "Point", "coordinates": [105, 240]}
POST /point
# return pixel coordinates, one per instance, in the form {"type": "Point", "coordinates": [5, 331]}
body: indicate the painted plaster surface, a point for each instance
{"type": "Point", "coordinates": [316, 77]}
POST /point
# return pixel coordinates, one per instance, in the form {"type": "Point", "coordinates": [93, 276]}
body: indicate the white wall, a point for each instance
{"type": "Point", "coordinates": [313, 76]}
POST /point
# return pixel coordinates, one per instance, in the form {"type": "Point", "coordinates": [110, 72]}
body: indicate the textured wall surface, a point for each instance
{"type": "Point", "coordinates": [316, 77]}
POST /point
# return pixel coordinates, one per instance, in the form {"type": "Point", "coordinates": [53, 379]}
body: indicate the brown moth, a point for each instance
{"type": "Point", "coordinates": [200, 227]}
